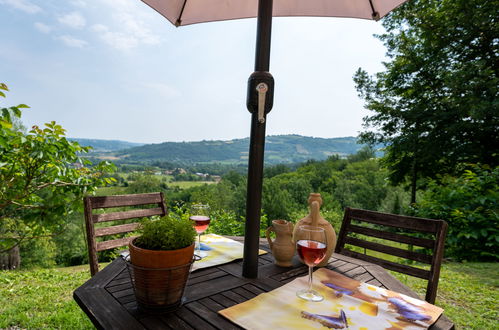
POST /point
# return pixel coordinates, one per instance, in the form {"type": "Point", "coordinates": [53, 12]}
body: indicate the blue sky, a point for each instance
{"type": "Point", "coordinates": [115, 69]}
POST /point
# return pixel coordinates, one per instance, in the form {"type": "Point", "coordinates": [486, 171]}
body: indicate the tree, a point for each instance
{"type": "Point", "coordinates": [276, 202]}
{"type": "Point", "coordinates": [143, 183]}
{"type": "Point", "coordinates": [42, 180]}
{"type": "Point", "coordinates": [470, 204]}
{"type": "Point", "coordinates": [436, 104]}
{"type": "Point", "coordinates": [360, 184]}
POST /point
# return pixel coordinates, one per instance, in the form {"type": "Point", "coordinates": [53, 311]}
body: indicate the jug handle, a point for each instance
{"type": "Point", "coordinates": [314, 208]}
{"type": "Point", "coordinates": [267, 234]}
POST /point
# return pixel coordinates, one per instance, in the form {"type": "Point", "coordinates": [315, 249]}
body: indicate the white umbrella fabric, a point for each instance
{"type": "Point", "coordinates": [261, 83]}
{"type": "Point", "coordinates": [185, 12]}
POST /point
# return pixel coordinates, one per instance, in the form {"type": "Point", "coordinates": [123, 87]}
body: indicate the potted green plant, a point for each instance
{"type": "Point", "coordinates": [161, 257]}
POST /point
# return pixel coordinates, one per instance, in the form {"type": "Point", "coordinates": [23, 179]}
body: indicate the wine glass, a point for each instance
{"type": "Point", "coordinates": [311, 245]}
{"type": "Point", "coordinates": [200, 216]}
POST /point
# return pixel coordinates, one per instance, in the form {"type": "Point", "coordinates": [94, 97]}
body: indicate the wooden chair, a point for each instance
{"type": "Point", "coordinates": [396, 228]}
{"type": "Point", "coordinates": [91, 203]}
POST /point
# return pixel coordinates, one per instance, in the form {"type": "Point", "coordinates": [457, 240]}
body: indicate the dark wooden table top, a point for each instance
{"type": "Point", "coordinates": [108, 298]}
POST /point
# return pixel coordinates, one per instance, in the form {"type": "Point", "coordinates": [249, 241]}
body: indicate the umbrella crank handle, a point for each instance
{"type": "Point", "coordinates": [262, 89]}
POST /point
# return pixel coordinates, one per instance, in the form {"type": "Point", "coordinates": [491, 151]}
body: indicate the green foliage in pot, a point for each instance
{"type": "Point", "coordinates": [166, 233]}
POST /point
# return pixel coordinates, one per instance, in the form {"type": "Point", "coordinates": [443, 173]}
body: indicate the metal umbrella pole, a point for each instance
{"type": "Point", "coordinates": [259, 102]}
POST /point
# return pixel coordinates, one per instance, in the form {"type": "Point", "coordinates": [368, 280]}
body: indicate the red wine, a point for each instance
{"type": "Point", "coordinates": [201, 223]}
{"type": "Point", "coordinates": [311, 252]}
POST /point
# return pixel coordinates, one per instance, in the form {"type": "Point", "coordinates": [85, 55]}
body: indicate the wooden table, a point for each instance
{"type": "Point", "coordinates": [108, 298]}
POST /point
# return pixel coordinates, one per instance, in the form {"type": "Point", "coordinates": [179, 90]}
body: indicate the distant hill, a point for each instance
{"type": "Point", "coordinates": [278, 149]}
{"type": "Point", "coordinates": [105, 145]}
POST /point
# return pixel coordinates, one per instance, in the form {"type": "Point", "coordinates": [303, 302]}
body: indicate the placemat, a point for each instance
{"type": "Point", "coordinates": [220, 250]}
{"type": "Point", "coordinates": [348, 304]}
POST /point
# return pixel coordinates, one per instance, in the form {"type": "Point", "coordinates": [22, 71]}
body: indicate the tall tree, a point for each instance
{"type": "Point", "coordinates": [436, 104]}
{"type": "Point", "coordinates": [42, 180]}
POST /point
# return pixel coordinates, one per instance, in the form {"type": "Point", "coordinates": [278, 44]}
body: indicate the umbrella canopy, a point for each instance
{"type": "Point", "coordinates": [185, 12]}
{"type": "Point", "coordinates": [260, 83]}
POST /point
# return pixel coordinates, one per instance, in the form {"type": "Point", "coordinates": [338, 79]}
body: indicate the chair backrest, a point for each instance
{"type": "Point", "coordinates": [92, 203]}
{"type": "Point", "coordinates": [384, 227]}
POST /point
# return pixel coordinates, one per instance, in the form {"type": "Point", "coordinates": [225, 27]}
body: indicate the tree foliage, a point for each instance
{"type": "Point", "coordinates": [436, 104]}
{"type": "Point", "coordinates": [470, 204]}
{"type": "Point", "coordinates": [42, 178]}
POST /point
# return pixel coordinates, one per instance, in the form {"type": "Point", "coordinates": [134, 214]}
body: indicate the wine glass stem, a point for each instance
{"type": "Point", "coordinates": [199, 244]}
{"type": "Point", "coordinates": [310, 268]}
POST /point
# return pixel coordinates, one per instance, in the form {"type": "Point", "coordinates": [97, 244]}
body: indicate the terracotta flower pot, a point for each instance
{"type": "Point", "coordinates": [160, 276]}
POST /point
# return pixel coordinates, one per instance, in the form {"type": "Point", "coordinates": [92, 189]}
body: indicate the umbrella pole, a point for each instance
{"type": "Point", "coordinates": [257, 145]}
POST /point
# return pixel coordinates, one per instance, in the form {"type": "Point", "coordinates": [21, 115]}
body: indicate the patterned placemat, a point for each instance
{"type": "Point", "coordinates": [348, 304]}
{"type": "Point", "coordinates": [220, 250]}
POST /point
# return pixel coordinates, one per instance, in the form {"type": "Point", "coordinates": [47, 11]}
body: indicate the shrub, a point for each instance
{"type": "Point", "coordinates": [470, 204]}
{"type": "Point", "coordinates": [226, 223]}
{"type": "Point", "coordinates": [166, 233]}
{"type": "Point", "coordinates": [39, 252]}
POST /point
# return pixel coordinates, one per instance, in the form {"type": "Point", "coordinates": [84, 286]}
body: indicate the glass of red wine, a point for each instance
{"type": "Point", "coordinates": [311, 245]}
{"type": "Point", "coordinates": [200, 217]}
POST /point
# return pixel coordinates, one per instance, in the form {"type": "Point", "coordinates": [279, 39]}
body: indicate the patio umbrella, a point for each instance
{"type": "Point", "coordinates": [260, 83]}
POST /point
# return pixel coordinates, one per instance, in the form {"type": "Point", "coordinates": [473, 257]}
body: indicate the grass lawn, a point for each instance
{"type": "Point", "coordinates": [189, 184]}
{"type": "Point", "coordinates": [36, 299]}
{"type": "Point", "coordinates": [42, 299]}
{"type": "Point", "coordinates": [106, 191]}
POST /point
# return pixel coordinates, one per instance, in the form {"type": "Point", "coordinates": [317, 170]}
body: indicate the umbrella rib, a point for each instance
{"type": "Point", "coordinates": [375, 14]}
{"type": "Point", "coordinates": [179, 19]}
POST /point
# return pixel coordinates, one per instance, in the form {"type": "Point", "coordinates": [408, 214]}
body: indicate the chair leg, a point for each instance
{"type": "Point", "coordinates": [93, 262]}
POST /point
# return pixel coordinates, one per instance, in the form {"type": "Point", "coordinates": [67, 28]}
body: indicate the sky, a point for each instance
{"type": "Point", "coordinates": [117, 70]}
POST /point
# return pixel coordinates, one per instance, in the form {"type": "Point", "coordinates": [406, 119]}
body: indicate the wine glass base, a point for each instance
{"type": "Point", "coordinates": [309, 295]}
{"type": "Point", "coordinates": [201, 254]}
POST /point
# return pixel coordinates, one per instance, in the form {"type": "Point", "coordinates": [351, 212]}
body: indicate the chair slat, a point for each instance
{"type": "Point", "coordinates": [419, 241]}
{"type": "Point", "coordinates": [413, 271]}
{"type": "Point", "coordinates": [438, 228]}
{"type": "Point", "coordinates": [126, 214]}
{"type": "Point", "coordinates": [389, 250]}
{"type": "Point", "coordinates": [119, 229]}
{"type": "Point", "coordinates": [152, 204]}
{"type": "Point", "coordinates": [395, 220]}
{"type": "Point", "coordinates": [111, 244]}
{"type": "Point", "coordinates": [101, 202]}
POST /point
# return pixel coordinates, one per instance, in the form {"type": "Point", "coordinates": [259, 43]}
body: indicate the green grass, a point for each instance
{"type": "Point", "coordinates": [188, 184]}
{"type": "Point", "coordinates": [107, 191]}
{"type": "Point", "coordinates": [42, 299]}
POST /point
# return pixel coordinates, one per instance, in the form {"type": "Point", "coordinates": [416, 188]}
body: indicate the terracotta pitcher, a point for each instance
{"type": "Point", "coordinates": [315, 219]}
{"type": "Point", "coordinates": [283, 247]}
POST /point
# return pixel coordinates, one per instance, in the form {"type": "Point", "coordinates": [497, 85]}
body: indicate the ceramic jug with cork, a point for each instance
{"type": "Point", "coordinates": [315, 219]}
{"type": "Point", "coordinates": [283, 248]}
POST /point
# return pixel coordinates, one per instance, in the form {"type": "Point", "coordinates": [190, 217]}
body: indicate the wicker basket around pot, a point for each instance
{"type": "Point", "coordinates": [160, 276]}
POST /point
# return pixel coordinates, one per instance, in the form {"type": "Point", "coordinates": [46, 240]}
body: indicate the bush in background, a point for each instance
{"type": "Point", "coordinates": [470, 205]}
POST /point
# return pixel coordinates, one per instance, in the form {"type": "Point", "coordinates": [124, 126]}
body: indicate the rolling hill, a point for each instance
{"type": "Point", "coordinates": [278, 149]}
{"type": "Point", "coordinates": [105, 145]}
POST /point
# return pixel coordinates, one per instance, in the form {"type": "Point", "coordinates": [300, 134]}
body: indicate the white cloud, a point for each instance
{"type": "Point", "coordinates": [71, 41]}
{"type": "Point", "coordinates": [44, 28]}
{"type": "Point", "coordinates": [128, 27]}
{"type": "Point", "coordinates": [24, 5]}
{"type": "Point", "coordinates": [120, 5]}
{"type": "Point", "coordinates": [79, 3]}
{"type": "Point", "coordinates": [117, 40]}
{"type": "Point", "coordinates": [74, 20]}
{"type": "Point", "coordinates": [136, 28]}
